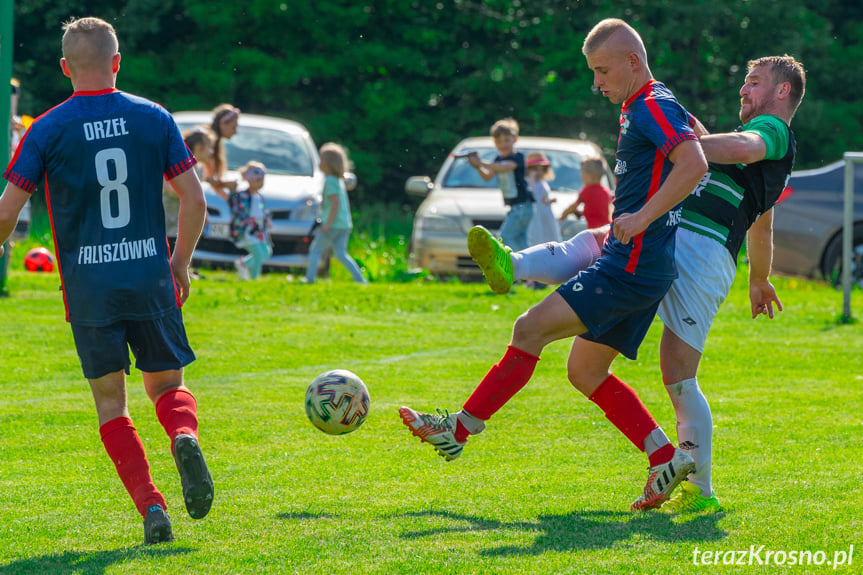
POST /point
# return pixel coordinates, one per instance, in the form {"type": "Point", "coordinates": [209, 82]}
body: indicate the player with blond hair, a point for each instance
{"type": "Point", "coordinates": [609, 306]}
{"type": "Point", "coordinates": [102, 156]}
{"type": "Point", "coordinates": [734, 202]}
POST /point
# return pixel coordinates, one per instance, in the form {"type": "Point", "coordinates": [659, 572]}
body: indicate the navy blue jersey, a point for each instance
{"type": "Point", "coordinates": [652, 123]}
{"type": "Point", "coordinates": [103, 156]}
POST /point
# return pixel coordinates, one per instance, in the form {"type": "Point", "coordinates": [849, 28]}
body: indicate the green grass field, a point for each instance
{"type": "Point", "coordinates": [546, 489]}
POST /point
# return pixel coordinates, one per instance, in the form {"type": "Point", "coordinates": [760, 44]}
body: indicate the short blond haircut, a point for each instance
{"type": "Point", "coordinates": [628, 41]}
{"type": "Point", "coordinates": [507, 126]}
{"type": "Point", "coordinates": [335, 158]}
{"type": "Point", "coordinates": [89, 43]}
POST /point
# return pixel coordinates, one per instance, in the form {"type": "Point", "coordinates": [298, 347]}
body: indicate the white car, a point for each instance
{"type": "Point", "coordinates": [459, 199]}
{"type": "Point", "coordinates": [292, 190]}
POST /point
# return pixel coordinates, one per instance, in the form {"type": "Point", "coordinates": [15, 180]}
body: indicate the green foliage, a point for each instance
{"type": "Point", "coordinates": [546, 488]}
{"type": "Point", "coordinates": [399, 82]}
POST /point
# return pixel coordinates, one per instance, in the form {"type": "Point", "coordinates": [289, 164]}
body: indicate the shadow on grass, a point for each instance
{"type": "Point", "coordinates": [82, 562]}
{"type": "Point", "coordinates": [581, 529]}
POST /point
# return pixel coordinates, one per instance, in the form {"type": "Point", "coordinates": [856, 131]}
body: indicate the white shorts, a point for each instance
{"type": "Point", "coordinates": [705, 271]}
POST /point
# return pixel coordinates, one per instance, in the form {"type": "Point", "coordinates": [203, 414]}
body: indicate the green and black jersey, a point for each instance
{"type": "Point", "coordinates": [731, 197]}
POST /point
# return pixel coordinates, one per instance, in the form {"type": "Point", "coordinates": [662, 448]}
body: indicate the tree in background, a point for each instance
{"type": "Point", "coordinates": [399, 82]}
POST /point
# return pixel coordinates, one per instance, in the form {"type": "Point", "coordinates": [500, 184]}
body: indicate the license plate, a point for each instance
{"type": "Point", "coordinates": [219, 231]}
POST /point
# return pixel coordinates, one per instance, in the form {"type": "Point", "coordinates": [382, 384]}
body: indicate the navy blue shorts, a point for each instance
{"type": "Point", "coordinates": [158, 344]}
{"type": "Point", "coordinates": [616, 307]}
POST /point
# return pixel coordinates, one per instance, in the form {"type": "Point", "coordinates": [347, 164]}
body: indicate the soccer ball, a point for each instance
{"type": "Point", "coordinates": [337, 402]}
{"type": "Point", "coordinates": [39, 260]}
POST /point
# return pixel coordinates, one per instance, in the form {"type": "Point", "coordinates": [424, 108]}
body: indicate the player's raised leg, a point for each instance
{"type": "Point", "coordinates": [548, 321]}
{"type": "Point", "coordinates": [555, 262]}
{"type": "Point", "coordinates": [549, 263]}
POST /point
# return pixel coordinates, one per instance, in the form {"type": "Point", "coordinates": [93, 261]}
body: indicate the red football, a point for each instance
{"type": "Point", "coordinates": [39, 260]}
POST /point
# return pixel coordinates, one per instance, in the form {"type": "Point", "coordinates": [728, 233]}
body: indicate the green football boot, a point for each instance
{"type": "Point", "coordinates": [492, 257]}
{"type": "Point", "coordinates": [689, 499]}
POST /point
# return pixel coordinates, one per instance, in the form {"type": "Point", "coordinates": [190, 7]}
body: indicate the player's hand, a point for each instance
{"type": "Point", "coordinates": [473, 159]}
{"type": "Point", "coordinates": [2, 249]}
{"type": "Point", "coordinates": [627, 226]}
{"type": "Point", "coordinates": [181, 278]}
{"type": "Point", "coordinates": [762, 296]}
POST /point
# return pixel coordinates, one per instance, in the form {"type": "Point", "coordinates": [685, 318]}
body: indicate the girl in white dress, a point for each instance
{"type": "Point", "coordinates": [544, 227]}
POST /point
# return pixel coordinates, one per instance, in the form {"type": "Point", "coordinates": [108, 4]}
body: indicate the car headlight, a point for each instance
{"type": "Point", "coordinates": [307, 211]}
{"type": "Point", "coordinates": [439, 224]}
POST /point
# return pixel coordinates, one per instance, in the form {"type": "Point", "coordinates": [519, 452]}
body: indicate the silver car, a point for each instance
{"type": "Point", "coordinates": [459, 199]}
{"type": "Point", "coordinates": [292, 190]}
{"type": "Point", "coordinates": [807, 224]}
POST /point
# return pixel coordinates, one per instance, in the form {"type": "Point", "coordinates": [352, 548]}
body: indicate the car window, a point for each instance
{"type": "Point", "coordinates": [566, 166]}
{"type": "Point", "coordinates": [283, 153]}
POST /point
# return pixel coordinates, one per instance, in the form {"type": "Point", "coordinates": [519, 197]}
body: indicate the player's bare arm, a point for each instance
{"type": "Point", "coordinates": [193, 212]}
{"type": "Point", "coordinates": [759, 247]}
{"type": "Point", "coordinates": [689, 167]}
{"type": "Point", "coordinates": [734, 148]}
{"type": "Point", "coordinates": [11, 203]}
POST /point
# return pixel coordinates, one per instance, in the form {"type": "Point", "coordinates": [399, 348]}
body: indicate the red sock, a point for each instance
{"type": "Point", "coordinates": [461, 433]}
{"type": "Point", "coordinates": [662, 455]}
{"type": "Point", "coordinates": [178, 413]}
{"type": "Point", "coordinates": [624, 409]}
{"type": "Point", "coordinates": [501, 382]}
{"type": "Point", "coordinates": [127, 452]}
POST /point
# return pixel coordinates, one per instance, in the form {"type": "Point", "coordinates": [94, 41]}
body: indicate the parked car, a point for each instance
{"type": "Point", "coordinates": [292, 190]}
{"type": "Point", "coordinates": [807, 224]}
{"type": "Point", "coordinates": [459, 199]}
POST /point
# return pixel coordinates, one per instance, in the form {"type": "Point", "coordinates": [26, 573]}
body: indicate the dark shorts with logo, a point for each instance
{"type": "Point", "coordinates": [616, 306]}
{"type": "Point", "coordinates": [159, 344]}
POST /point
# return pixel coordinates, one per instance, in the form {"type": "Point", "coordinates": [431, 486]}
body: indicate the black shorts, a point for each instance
{"type": "Point", "coordinates": [159, 344]}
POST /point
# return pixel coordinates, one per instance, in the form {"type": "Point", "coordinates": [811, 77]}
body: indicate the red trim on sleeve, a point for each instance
{"type": "Point", "coordinates": [20, 181]}
{"type": "Point", "coordinates": [673, 138]}
{"type": "Point", "coordinates": [177, 169]}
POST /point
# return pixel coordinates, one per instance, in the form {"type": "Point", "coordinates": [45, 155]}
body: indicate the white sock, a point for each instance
{"type": "Point", "coordinates": [474, 425]}
{"type": "Point", "coordinates": [694, 429]}
{"type": "Point", "coordinates": [556, 262]}
{"type": "Point", "coordinates": [654, 440]}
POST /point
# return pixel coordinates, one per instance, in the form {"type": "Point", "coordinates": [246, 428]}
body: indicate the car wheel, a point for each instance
{"type": "Point", "coordinates": [831, 263]}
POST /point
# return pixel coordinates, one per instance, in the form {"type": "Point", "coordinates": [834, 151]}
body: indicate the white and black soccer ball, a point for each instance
{"type": "Point", "coordinates": [337, 402]}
